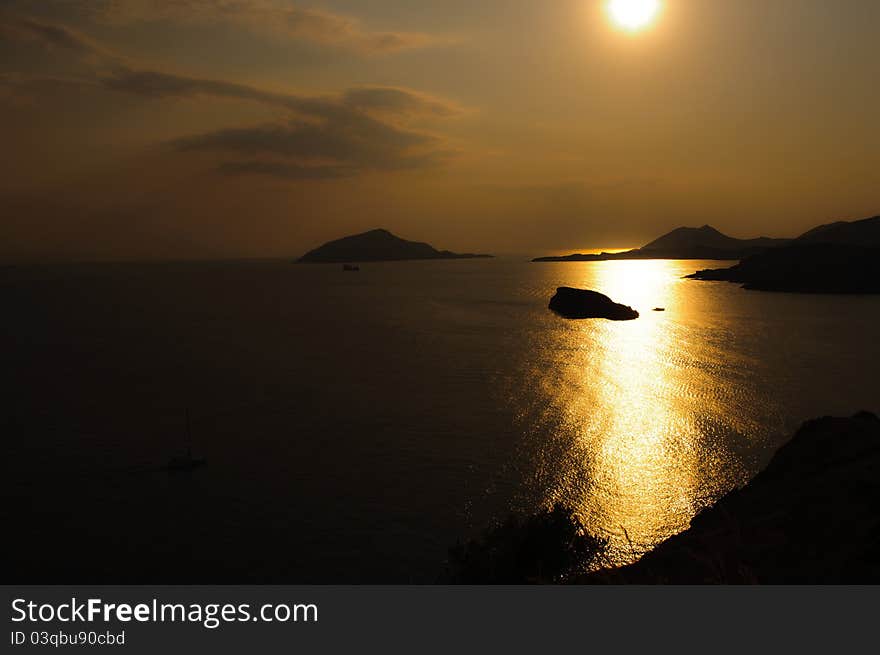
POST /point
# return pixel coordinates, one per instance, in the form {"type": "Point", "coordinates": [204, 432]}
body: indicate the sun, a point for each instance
{"type": "Point", "coordinates": [633, 15]}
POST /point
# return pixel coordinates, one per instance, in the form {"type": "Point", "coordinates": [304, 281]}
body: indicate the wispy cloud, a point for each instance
{"type": "Point", "coordinates": [303, 23]}
{"type": "Point", "coordinates": [285, 170]}
{"type": "Point", "coordinates": [343, 145]}
{"type": "Point", "coordinates": [336, 30]}
{"type": "Point", "coordinates": [402, 101]}
{"type": "Point", "coordinates": [362, 128]}
{"type": "Point", "coordinates": [369, 99]}
{"type": "Point", "coordinates": [53, 36]}
{"type": "Point", "coordinates": [332, 135]}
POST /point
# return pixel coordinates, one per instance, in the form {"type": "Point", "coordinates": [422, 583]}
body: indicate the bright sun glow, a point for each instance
{"type": "Point", "coordinates": [633, 15]}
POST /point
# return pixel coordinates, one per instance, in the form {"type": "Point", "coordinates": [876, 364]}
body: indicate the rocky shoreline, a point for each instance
{"type": "Point", "coordinates": [821, 268]}
{"type": "Point", "coordinates": [812, 516]}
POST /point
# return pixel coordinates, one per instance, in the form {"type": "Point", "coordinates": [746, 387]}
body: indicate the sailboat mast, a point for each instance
{"type": "Point", "coordinates": [188, 434]}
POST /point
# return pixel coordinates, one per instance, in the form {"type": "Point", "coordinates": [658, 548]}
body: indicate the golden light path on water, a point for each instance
{"type": "Point", "coordinates": [644, 455]}
{"type": "Point", "coordinates": [631, 463]}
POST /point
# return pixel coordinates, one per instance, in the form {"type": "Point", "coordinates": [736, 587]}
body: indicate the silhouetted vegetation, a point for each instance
{"type": "Point", "coordinates": [544, 548]}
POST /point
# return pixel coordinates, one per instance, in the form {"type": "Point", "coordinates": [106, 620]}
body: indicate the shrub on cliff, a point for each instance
{"type": "Point", "coordinates": [543, 548]}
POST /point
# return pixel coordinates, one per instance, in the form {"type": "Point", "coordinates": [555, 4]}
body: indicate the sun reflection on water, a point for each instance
{"type": "Point", "coordinates": [638, 457]}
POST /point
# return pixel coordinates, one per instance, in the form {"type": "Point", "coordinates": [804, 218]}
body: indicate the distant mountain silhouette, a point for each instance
{"type": "Point", "coordinates": [841, 257]}
{"type": "Point", "coordinates": [865, 232]}
{"type": "Point", "coordinates": [377, 246]}
{"type": "Point", "coordinates": [707, 237]}
{"type": "Point", "coordinates": [685, 243]}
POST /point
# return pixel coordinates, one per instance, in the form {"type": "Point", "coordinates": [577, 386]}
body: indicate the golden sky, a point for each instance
{"type": "Point", "coordinates": [249, 128]}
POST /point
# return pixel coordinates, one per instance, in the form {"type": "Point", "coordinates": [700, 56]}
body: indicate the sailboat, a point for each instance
{"type": "Point", "coordinates": [186, 462]}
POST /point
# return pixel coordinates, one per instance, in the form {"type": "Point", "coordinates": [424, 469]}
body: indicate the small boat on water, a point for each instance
{"type": "Point", "coordinates": [186, 462]}
{"type": "Point", "coordinates": [350, 267]}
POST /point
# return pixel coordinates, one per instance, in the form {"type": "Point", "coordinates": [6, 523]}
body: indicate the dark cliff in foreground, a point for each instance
{"type": "Point", "coordinates": [812, 516]}
{"type": "Point", "coordinates": [841, 257]}
{"type": "Point", "coordinates": [684, 243]}
{"type": "Point", "coordinates": [377, 246]}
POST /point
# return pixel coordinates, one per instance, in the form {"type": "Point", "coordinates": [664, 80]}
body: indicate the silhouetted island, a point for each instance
{"type": "Point", "coordinates": [842, 257]}
{"type": "Point", "coordinates": [377, 246]}
{"type": "Point", "coordinates": [583, 303]}
{"type": "Point", "coordinates": [684, 243]}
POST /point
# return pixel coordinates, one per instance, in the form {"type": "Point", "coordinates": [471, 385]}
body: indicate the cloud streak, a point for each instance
{"type": "Point", "coordinates": [332, 140]}
{"type": "Point", "coordinates": [313, 25]}
{"type": "Point", "coordinates": [363, 128]}
{"type": "Point", "coordinates": [379, 99]}
{"type": "Point", "coordinates": [285, 171]}
{"type": "Point", "coordinates": [328, 136]}
{"type": "Point", "coordinates": [343, 31]}
{"type": "Point", "coordinates": [53, 36]}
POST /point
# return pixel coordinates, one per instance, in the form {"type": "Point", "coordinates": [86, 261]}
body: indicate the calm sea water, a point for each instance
{"type": "Point", "coordinates": [357, 424]}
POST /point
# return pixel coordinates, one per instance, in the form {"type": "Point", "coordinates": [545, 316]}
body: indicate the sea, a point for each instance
{"type": "Point", "coordinates": [356, 425]}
